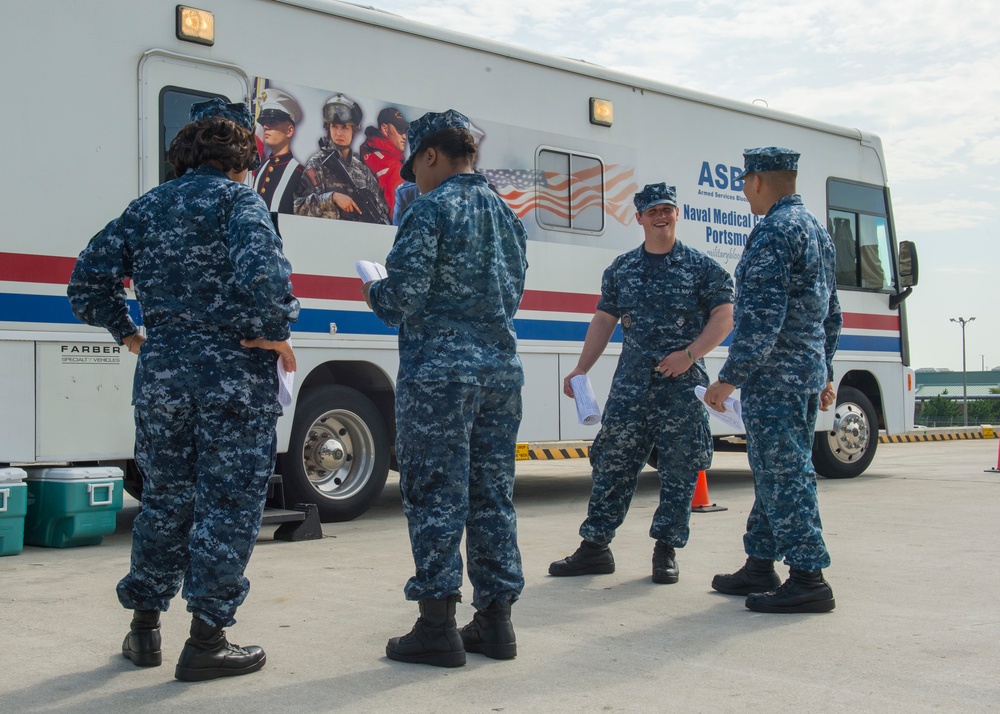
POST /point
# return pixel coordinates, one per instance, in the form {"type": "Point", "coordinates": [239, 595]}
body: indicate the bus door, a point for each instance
{"type": "Point", "coordinates": [168, 85]}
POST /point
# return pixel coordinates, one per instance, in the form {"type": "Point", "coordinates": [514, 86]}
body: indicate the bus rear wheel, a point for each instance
{"type": "Point", "coordinates": [849, 447]}
{"type": "Point", "coordinates": [338, 454]}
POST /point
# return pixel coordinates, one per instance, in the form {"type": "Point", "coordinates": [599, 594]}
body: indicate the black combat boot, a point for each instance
{"type": "Point", "coordinates": [490, 632]}
{"type": "Point", "coordinates": [804, 591]}
{"type": "Point", "coordinates": [207, 654]}
{"type": "Point", "coordinates": [434, 639]}
{"type": "Point", "coordinates": [664, 564]}
{"type": "Point", "coordinates": [589, 559]}
{"type": "Point", "coordinates": [756, 576]}
{"type": "Point", "coordinates": [142, 643]}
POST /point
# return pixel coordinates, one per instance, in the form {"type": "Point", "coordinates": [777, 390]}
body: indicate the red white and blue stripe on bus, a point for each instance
{"type": "Point", "coordinates": [863, 332]}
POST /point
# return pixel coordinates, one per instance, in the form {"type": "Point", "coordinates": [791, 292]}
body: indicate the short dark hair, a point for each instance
{"type": "Point", "coordinates": [213, 139]}
{"type": "Point", "coordinates": [783, 180]}
{"type": "Point", "coordinates": [454, 142]}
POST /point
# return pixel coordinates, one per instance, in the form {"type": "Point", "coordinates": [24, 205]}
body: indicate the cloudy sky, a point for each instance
{"type": "Point", "coordinates": [924, 75]}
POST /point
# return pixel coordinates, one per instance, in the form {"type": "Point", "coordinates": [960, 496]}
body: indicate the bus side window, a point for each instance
{"type": "Point", "coordinates": [842, 231]}
{"type": "Point", "coordinates": [860, 230]}
{"type": "Point", "coordinates": [569, 191]}
{"type": "Point", "coordinates": [874, 254]}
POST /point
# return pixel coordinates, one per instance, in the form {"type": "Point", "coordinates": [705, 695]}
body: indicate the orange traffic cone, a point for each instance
{"type": "Point", "coordinates": [700, 502]}
{"type": "Point", "coordinates": [997, 469]}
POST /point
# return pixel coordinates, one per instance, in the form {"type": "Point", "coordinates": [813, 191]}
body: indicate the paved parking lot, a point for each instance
{"type": "Point", "coordinates": [917, 626]}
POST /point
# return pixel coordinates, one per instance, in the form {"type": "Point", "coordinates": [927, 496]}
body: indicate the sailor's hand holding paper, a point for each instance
{"type": "Point", "coordinates": [283, 348]}
{"type": "Point", "coordinates": [369, 272]}
{"type": "Point", "coordinates": [577, 385]}
{"type": "Point", "coordinates": [568, 382]}
{"type": "Point", "coordinates": [717, 393]}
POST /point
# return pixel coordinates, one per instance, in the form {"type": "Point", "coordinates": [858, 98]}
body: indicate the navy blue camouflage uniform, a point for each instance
{"type": "Point", "coordinates": [455, 280]}
{"type": "Point", "coordinates": [208, 271]}
{"type": "Point", "coordinates": [787, 325]}
{"type": "Point", "coordinates": [662, 309]}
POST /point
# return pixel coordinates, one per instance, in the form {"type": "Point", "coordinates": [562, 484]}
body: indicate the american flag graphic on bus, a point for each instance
{"type": "Point", "coordinates": [567, 197]}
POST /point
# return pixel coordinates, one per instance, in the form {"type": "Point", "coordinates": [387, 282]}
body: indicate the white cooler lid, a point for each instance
{"type": "Point", "coordinates": [74, 473]}
{"type": "Point", "coordinates": [9, 473]}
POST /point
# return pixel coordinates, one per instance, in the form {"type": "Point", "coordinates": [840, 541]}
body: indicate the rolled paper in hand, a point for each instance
{"type": "Point", "coordinates": [587, 411]}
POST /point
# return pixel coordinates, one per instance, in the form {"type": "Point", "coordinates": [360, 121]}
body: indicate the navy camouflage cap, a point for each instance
{"type": "Point", "coordinates": [653, 194]}
{"type": "Point", "coordinates": [769, 158]}
{"type": "Point", "coordinates": [238, 113]}
{"type": "Point", "coordinates": [431, 123]}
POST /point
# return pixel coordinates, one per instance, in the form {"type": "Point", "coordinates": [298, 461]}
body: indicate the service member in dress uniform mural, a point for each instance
{"type": "Point", "coordinates": [278, 177]}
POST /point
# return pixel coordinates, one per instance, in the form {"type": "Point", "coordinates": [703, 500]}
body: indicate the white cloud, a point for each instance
{"type": "Point", "coordinates": [943, 215]}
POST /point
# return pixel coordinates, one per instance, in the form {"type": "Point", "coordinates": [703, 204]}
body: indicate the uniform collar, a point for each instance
{"type": "Point", "coordinates": [675, 254]}
{"type": "Point", "coordinates": [207, 170]}
{"type": "Point", "coordinates": [465, 178]}
{"type": "Point", "coordinates": [792, 199]}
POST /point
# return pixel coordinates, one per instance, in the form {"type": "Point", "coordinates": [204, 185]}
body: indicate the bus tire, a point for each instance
{"type": "Point", "coordinates": [338, 454]}
{"type": "Point", "coordinates": [847, 449]}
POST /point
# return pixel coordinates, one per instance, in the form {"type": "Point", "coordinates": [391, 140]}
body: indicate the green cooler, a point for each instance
{"type": "Point", "coordinates": [13, 506]}
{"type": "Point", "coordinates": [72, 506]}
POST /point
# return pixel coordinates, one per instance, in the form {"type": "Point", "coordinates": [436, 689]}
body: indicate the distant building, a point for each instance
{"type": "Point", "coordinates": [932, 382]}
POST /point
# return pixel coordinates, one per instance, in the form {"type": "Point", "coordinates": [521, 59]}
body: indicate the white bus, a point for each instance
{"type": "Point", "coordinates": [101, 88]}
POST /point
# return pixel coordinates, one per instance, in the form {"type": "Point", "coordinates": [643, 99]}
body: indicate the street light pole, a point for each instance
{"type": "Point", "coordinates": [965, 388]}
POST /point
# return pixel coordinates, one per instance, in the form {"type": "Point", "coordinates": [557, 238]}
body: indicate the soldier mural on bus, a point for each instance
{"type": "Point", "coordinates": [384, 151]}
{"type": "Point", "coordinates": [337, 183]}
{"type": "Point", "coordinates": [277, 180]}
{"type": "Point", "coordinates": [352, 172]}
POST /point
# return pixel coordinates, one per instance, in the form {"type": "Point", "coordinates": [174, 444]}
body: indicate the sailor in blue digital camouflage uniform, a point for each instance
{"type": "Point", "coordinates": [675, 305]}
{"type": "Point", "coordinates": [455, 280]}
{"type": "Point", "coordinates": [787, 326]}
{"type": "Point", "coordinates": [213, 286]}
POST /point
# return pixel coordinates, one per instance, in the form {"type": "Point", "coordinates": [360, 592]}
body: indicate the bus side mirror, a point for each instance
{"type": "Point", "coordinates": [908, 266]}
{"type": "Point", "coordinates": [908, 273]}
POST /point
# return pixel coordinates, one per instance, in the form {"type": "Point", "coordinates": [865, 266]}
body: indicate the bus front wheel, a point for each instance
{"type": "Point", "coordinates": [338, 455]}
{"type": "Point", "coordinates": [848, 448]}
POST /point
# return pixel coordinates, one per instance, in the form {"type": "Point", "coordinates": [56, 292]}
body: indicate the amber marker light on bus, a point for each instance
{"type": "Point", "coordinates": [194, 25]}
{"type": "Point", "coordinates": [602, 111]}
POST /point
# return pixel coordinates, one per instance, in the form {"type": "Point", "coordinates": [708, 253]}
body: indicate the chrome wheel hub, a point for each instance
{"type": "Point", "coordinates": [850, 434]}
{"type": "Point", "coordinates": [339, 454]}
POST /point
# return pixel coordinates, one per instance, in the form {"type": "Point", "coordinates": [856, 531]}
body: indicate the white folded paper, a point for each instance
{"type": "Point", "coordinates": [369, 270]}
{"type": "Point", "coordinates": [286, 384]}
{"type": "Point", "coordinates": [587, 411]}
{"type": "Point", "coordinates": [733, 416]}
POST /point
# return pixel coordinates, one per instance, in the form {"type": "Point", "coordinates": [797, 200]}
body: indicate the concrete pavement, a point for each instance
{"type": "Point", "coordinates": [917, 626]}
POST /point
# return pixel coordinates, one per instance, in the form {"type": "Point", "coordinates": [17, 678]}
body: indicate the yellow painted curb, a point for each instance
{"type": "Point", "coordinates": [527, 454]}
{"type": "Point", "coordinates": [912, 438]}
